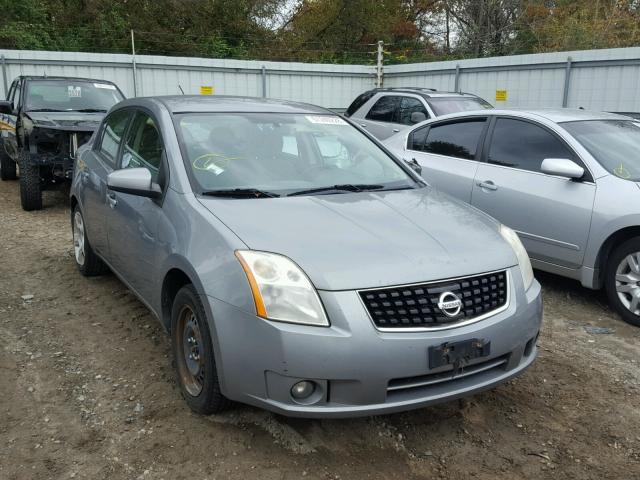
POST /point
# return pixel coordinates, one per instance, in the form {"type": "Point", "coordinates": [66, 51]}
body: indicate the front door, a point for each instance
{"type": "Point", "coordinates": [133, 220]}
{"type": "Point", "coordinates": [551, 214]}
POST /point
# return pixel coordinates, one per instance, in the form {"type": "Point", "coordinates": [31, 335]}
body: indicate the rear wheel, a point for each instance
{"type": "Point", "coordinates": [7, 166]}
{"type": "Point", "coordinates": [30, 188]}
{"type": "Point", "coordinates": [622, 281]}
{"type": "Point", "coordinates": [87, 261]}
{"type": "Point", "coordinates": [193, 354]}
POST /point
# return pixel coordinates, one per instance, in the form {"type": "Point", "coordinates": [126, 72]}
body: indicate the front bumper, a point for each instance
{"type": "Point", "coordinates": [358, 369]}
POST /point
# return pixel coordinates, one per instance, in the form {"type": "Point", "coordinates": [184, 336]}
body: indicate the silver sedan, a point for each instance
{"type": "Point", "coordinates": [297, 265]}
{"type": "Point", "coordinates": [565, 180]}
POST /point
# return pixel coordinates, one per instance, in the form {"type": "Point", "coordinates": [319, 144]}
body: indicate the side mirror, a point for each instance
{"type": "Point", "coordinates": [6, 107]}
{"type": "Point", "coordinates": [563, 167]}
{"type": "Point", "coordinates": [134, 181]}
{"type": "Point", "coordinates": [417, 117]}
{"type": "Point", "coordinates": [415, 166]}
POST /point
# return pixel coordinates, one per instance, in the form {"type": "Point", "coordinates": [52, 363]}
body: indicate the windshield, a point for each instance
{"type": "Point", "coordinates": [284, 154]}
{"type": "Point", "coordinates": [71, 95]}
{"type": "Point", "coordinates": [445, 105]}
{"type": "Point", "coordinates": [615, 144]}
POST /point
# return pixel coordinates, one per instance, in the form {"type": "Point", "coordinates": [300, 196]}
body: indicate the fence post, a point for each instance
{"type": "Point", "coordinates": [4, 74]}
{"type": "Point", "coordinates": [264, 81]}
{"type": "Point", "coordinates": [133, 64]}
{"type": "Point", "coordinates": [567, 80]}
{"type": "Point", "coordinates": [457, 84]}
{"type": "Point", "coordinates": [379, 64]}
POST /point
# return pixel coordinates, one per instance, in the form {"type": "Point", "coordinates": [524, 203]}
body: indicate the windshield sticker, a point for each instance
{"type": "Point", "coordinates": [325, 120]}
{"type": "Point", "coordinates": [104, 85]}
{"type": "Point", "coordinates": [74, 92]}
{"type": "Point", "coordinates": [622, 172]}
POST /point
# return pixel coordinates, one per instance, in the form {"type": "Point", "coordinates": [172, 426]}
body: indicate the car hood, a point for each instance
{"type": "Point", "coordinates": [364, 240]}
{"type": "Point", "coordinates": [74, 121]}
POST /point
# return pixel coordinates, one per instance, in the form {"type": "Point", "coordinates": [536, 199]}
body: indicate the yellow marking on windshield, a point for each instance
{"type": "Point", "coordinates": [622, 172]}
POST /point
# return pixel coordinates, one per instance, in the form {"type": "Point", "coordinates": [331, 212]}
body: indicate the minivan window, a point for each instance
{"type": "Point", "coordinates": [523, 145]}
{"type": "Point", "coordinates": [288, 153]}
{"type": "Point", "coordinates": [143, 147]}
{"type": "Point", "coordinates": [459, 139]}
{"type": "Point", "coordinates": [409, 105]}
{"type": "Point", "coordinates": [114, 128]}
{"type": "Point", "coordinates": [613, 143]}
{"type": "Point", "coordinates": [385, 109]}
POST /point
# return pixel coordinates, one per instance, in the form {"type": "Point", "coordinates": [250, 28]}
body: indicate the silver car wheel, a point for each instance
{"type": "Point", "coordinates": [78, 238]}
{"type": "Point", "coordinates": [628, 282]}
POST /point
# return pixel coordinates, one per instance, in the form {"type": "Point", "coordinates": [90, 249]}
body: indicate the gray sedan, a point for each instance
{"type": "Point", "coordinates": [565, 180]}
{"type": "Point", "coordinates": [297, 265]}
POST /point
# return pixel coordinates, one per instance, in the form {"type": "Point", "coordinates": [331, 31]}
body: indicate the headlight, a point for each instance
{"type": "Point", "coordinates": [281, 290]}
{"type": "Point", "coordinates": [523, 259]}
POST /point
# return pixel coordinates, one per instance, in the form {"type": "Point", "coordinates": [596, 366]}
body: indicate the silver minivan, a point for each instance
{"type": "Point", "coordinates": [565, 180]}
{"type": "Point", "coordinates": [297, 265]}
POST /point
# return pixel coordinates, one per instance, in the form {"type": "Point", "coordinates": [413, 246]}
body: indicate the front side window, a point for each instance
{"type": "Point", "coordinates": [410, 105]}
{"type": "Point", "coordinates": [523, 145]}
{"type": "Point", "coordinates": [613, 143]}
{"type": "Point", "coordinates": [385, 109]}
{"type": "Point", "coordinates": [114, 128]}
{"type": "Point", "coordinates": [445, 105]}
{"type": "Point", "coordinates": [282, 153]}
{"type": "Point", "coordinates": [71, 95]}
{"type": "Point", "coordinates": [459, 139]}
{"type": "Point", "coordinates": [143, 147]}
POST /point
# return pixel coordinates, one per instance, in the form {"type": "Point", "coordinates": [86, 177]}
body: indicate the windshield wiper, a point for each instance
{"type": "Point", "coordinates": [347, 187]}
{"type": "Point", "coordinates": [91, 110]}
{"type": "Point", "coordinates": [240, 193]}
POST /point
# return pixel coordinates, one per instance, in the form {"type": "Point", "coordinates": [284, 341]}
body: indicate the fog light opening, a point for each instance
{"type": "Point", "coordinates": [303, 390]}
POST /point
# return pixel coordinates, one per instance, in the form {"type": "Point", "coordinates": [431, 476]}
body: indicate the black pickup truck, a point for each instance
{"type": "Point", "coordinates": [42, 123]}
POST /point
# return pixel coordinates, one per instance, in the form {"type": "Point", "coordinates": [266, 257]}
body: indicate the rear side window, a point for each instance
{"type": "Point", "coordinates": [520, 144]}
{"type": "Point", "coordinates": [409, 105]}
{"type": "Point", "coordinates": [358, 102]}
{"type": "Point", "coordinates": [385, 109]}
{"type": "Point", "coordinates": [459, 139]}
{"type": "Point", "coordinates": [114, 128]}
{"type": "Point", "coordinates": [143, 147]}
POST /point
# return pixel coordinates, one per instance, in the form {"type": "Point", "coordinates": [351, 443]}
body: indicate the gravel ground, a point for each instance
{"type": "Point", "coordinates": [87, 390]}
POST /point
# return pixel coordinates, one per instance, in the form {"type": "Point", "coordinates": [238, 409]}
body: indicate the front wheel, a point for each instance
{"type": "Point", "coordinates": [7, 166]}
{"type": "Point", "coordinates": [30, 188]}
{"type": "Point", "coordinates": [622, 281]}
{"type": "Point", "coordinates": [193, 354]}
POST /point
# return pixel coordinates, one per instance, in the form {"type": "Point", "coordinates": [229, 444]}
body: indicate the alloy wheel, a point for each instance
{"type": "Point", "coordinates": [628, 282]}
{"type": "Point", "coordinates": [78, 238]}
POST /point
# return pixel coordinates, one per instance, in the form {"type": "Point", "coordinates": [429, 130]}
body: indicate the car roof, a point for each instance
{"type": "Point", "coordinates": [424, 91]}
{"type": "Point", "coordinates": [227, 104]}
{"type": "Point", "coordinates": [556, 115]}
{"type": "Point", "coordinates": [78, 79]}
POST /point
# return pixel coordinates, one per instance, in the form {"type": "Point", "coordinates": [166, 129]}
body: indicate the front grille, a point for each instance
{"type": "Point", "coordinates": [416, 306]}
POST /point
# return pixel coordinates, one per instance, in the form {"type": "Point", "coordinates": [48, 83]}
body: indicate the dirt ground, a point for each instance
{"type": "Point", "coordinates": [87, 390]}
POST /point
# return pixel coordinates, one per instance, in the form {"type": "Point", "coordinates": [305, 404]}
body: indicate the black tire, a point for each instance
{"type": "Point", "coordinates": [89, 264]}
{"type": "Point", "coordinates": [30, 189]}
{"type": "Point", "coordinates": [7, 166]}
{"type": "Point", "coordinates": [200, 388]}
{"type": "Point", "coordinates": [612, 284]}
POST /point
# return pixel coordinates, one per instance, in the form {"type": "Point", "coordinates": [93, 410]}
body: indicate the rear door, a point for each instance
{"type": "Point", "coordinates": [448, 153]}
{"type": "Point", "coordinates": [10, 122]}
{"type": "Point", "coordinates": [93, 168]}
{"type": "Point", "coordinates": [551, 214]}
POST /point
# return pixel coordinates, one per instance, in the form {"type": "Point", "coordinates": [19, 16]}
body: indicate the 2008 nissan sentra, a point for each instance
{"type": "Point", "coordinates": [297, 265]}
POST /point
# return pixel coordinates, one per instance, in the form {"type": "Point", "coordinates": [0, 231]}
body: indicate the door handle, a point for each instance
{"type": "Point", "coordinates": [487, 185]}
{"type": "Point", "coordinates": [363, 125]}
{"type": "Point", "coordinates": [396, 130]}
{"type": "Point", "coordinates": [112, 199]}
